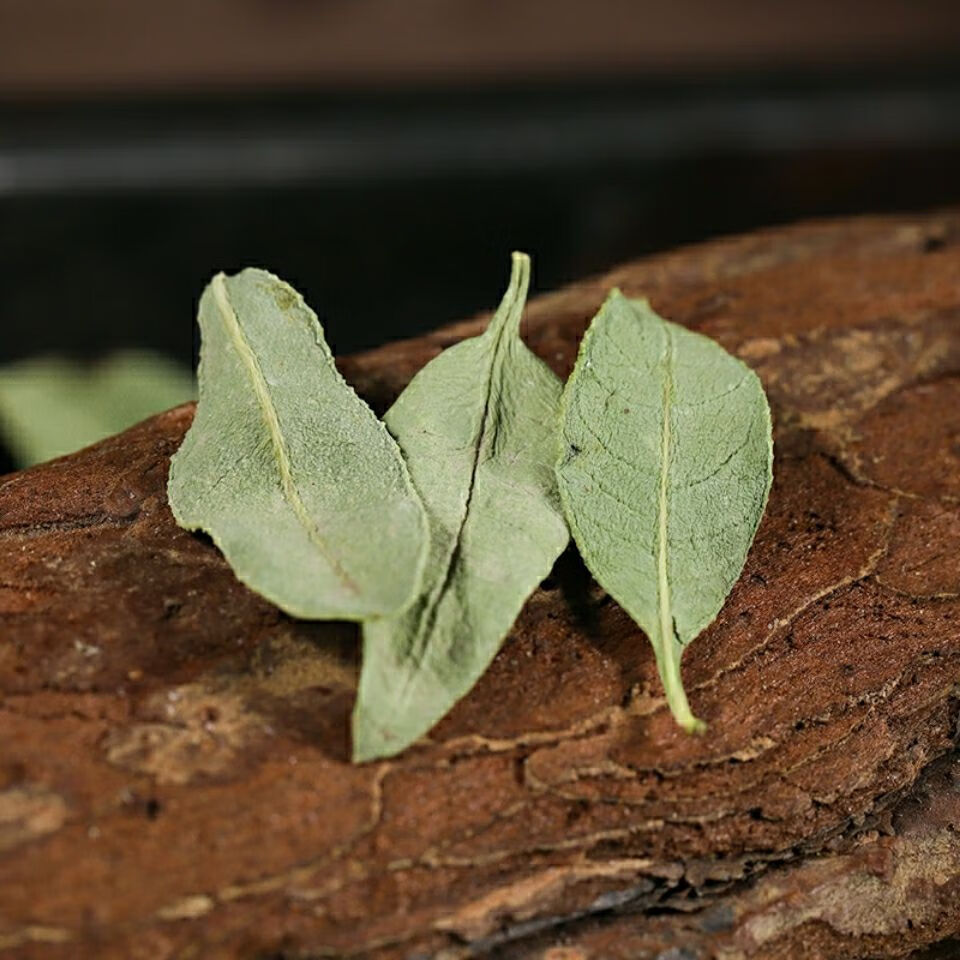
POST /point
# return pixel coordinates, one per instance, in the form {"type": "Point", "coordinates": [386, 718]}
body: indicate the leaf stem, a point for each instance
{"type": "Point", "coordinates": [669, 664]}
{"type": "Point", "coordinates": [672, 649]}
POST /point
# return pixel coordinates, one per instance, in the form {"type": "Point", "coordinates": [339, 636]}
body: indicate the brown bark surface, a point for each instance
{"type": "Point", "coordinates": [173, 751]}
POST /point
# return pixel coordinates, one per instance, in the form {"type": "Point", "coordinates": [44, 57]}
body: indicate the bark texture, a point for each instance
{"type": "Point", "coordinates": [173, 751]}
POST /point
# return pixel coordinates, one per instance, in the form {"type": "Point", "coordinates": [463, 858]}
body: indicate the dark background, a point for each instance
{"type": "Point", "coordinates": [385, 157]}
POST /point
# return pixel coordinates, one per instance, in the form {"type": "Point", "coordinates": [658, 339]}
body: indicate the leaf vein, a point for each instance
{"type": "Point", "coordinates": [265, 400]}
{"type": "Point", "coordinates": [430, 613]}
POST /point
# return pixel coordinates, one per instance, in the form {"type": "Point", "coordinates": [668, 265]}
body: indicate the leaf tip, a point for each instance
{"type": "Point", "coordinates": [510, 311]}
{"type": "Point", "coordinates": [519, 276]}
{"type": "Point", "coordinates": [520, 260]}
{"type": "Point", "coordinates": [369, 743]}
{"type": "Point", "coordinates": [615, 295]}
{"type": "Point", "coordinates": [373, 738]}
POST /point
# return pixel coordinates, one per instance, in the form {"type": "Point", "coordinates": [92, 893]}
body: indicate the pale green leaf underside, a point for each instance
{"type": "Point", "coordinates": [664, 471]}
{"type": "Point", "coordinates": [50, 406]}
{"type": "Point", "coordinates": [478, 429]}
{"type": "Point", "coordinates": [289, 471]}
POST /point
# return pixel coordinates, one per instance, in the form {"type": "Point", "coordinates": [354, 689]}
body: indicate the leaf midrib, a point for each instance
{"type": "Point", "coordinates": [664, 600]}
{"type": "Point", "coordinates": [248, 358]}
{"type": "Point", "coordinates": [429, 615]}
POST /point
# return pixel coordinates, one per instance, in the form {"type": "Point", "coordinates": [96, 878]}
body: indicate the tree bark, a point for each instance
{"type": "Point", "coordinates": [174, 775]}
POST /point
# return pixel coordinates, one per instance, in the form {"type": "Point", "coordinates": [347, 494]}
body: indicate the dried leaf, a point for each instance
{"type": "Point", "coordinates": [288, 470]}
{"type": "Point", "coordinates": [478, 428]}
{"type": "Point", "coordinates": [665, 466]}
{"type": "Point", "coordinates": [50, 406]}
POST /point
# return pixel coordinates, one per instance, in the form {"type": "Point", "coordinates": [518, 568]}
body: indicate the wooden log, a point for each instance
{"type": "Point", "coordinates": [174, 780]}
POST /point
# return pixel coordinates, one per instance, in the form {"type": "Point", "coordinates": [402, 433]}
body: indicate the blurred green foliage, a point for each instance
{"type": "Point", "coordinates": [50, 406]}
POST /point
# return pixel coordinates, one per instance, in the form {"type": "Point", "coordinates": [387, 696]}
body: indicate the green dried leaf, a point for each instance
{"type": "Point", "coordinates": [288, 470]}
{"type": "Point", "coordinates": [478, 428]}
{"type": "Point", "coordinates": [50, 406]}
{"type": "Point", "coordinates": [665, 466]}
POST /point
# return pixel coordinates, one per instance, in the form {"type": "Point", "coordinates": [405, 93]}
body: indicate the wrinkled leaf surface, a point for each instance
{"type": "Point", "coordinates": [478, 429]}
{"type": "Point", "coordinates": [289, 471]}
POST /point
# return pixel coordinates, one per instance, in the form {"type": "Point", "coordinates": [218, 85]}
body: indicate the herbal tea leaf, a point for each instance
{"type": "Point", "coordinates": [478, 428]}
{"type": "Point", "coordinates": [288, 470]}
{"type": "Point", "coordinates": [666, 463]}
{"type": "Point", "coordinates": [50, 406]}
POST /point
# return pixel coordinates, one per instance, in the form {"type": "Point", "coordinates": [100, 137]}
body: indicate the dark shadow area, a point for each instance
{"type": "Point", "coordinates": [396, 212]}
{"type": "Point", "coordinates": [572, 578]}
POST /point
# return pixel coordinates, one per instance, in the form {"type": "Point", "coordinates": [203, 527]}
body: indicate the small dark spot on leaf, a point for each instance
{"type": "Point", "coordinates": [284, 299]}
